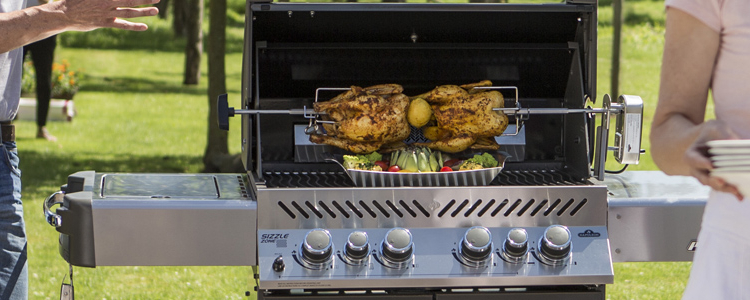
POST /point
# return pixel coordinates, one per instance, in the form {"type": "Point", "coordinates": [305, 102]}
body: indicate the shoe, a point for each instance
{"type": "Point", "coordinates": [42, 133]}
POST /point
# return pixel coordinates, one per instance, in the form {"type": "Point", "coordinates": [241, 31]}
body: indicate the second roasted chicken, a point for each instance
{"type": "Point", "coordinates": [465, 117]}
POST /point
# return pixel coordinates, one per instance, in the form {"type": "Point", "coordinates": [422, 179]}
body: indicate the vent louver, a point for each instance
{"type": "Point", "coordinates": [416, 209]}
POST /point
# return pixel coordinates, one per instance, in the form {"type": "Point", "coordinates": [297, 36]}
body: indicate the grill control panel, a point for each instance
{"type": "Point", "coordinates": [395, 257]}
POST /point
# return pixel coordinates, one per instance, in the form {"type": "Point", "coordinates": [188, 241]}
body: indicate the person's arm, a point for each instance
{"type": "Point", "coordinates": [679, 131]}
{"type": "Point", "coordinates": [35, 23]}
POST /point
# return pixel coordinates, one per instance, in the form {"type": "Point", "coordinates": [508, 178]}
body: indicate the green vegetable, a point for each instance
{"type": "Point", "coordinates": [434, 166]}
{"type": "Point", "coordinates": [411, 163]}
{"type": "Point", "coordinates": [361, 162]}
{"type": "Point", "coordinates": [423, 163]}
{"type": "Point", "coordinates": [486, 160]}
{"type": "Point", "coordinates": [357, 162]}
{"type": "Point", "coordinates": [373, 157]}
{"type": "Point", "coordinates": [469, 165]}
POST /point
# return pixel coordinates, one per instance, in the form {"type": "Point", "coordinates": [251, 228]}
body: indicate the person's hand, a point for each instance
{"type": "Point", "coordinates": [86, 15]}
{"type": "Point", "coordinates": [698, 160]}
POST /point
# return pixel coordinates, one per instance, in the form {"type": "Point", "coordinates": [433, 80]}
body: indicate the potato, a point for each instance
{"type": "Point", "coordinates": [419, 113]}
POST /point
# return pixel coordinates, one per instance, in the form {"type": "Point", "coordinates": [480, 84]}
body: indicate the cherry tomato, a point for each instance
{"type": "Point", "coordinates": [451, 162]}
{"type": "Point", "coordinates": [394, 168]}
{"type": "Point", "coordinates": [383, 165]}
{"type": "Point", "coordinates": [446, 169]}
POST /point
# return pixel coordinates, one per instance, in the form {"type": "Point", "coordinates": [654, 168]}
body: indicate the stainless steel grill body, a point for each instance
{"type": "Point", "coordinates": [437, 219]}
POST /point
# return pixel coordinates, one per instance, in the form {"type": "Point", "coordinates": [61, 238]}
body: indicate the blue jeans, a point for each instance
{"type": "Point", "coordinates": [13, 270]}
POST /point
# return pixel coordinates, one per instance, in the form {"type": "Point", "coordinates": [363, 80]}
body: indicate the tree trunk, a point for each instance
{"type": "Point", "coordinates": [194, 45]}
{"type": "Point", "coordinates": [217, 158]}
{"type": "Point", "coordinates": [163, 7]}
{"type": "Point", "coordinates": [179, 9]}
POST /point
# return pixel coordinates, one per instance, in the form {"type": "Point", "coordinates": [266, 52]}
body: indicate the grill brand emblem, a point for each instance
{"type": "Point", "coordinates": [589, 233]}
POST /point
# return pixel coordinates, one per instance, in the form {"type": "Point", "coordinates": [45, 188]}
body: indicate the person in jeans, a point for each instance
{"type": "Point", "coordinates": [707, 48]}
{"type": "Point", "coordinates": [20, 26]}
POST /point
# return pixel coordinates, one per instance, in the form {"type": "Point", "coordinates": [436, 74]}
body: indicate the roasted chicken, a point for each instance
{"type": "Point", "coordinates": [465, 117]}
{"type": "Point", "coordinates": [365, 118]}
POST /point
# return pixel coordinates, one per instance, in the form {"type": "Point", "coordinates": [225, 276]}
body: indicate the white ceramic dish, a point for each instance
{"type": "Point", "coordinates": [730, 157]}
{"type": "Point", "coordinates": [732, 163]}
{"type": "Point", "coordinates": [729, 144]}
{"type": "Point", "coordinates": [739, 179]}
{"type": "Point", "coordinates": [729, 151]}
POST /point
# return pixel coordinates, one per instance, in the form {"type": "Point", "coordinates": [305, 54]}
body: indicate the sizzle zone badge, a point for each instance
{"type": "Point", "coordinates": [278, 238]}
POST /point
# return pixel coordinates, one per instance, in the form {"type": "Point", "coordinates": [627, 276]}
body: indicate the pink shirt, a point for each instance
{"type": "Point", "coordinates": [730, 87]}
{"type": "Point", "coordinates": [731, 77]}
{"type": "Point", "coordinates": [720, 270]}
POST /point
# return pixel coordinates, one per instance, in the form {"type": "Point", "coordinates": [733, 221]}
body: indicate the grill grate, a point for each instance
{"type": "Point", "coordinates": [307, 179]}
{"type": "Point", "coordinates": [341, 179]}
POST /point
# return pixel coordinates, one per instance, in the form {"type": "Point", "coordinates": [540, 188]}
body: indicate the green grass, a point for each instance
{"type": "Point", "coordinates": [134, 115]}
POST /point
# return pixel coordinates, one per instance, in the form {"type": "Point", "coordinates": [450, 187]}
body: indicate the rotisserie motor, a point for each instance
{"type": "Point", "coordinates": [365, 118]}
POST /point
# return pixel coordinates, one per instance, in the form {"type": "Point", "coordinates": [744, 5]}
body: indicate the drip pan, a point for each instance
{"type": "Point", "coordinates": [363, 178]}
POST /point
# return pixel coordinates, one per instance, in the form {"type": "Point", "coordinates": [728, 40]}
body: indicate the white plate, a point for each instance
{"type": "Point", "coordinates": [732, 163]}
{"type": "Point", "coordinates": [716, 158]}
{"type": "Point", "coordinates": [729, 144]}
{"type": "Point", "coordinates": [729, 151]}
{"type": "Point", "coordinates": [739, 179]}
{"type": "Point", "coordinates": [733, 169]}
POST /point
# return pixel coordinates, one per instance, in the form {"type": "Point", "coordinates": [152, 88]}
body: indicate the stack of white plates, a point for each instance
{"type": "Point", "coordinates": [731, 160]}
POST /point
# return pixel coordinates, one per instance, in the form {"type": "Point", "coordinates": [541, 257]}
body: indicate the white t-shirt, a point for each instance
{"type": "Point", "coordinates": [11, 69]}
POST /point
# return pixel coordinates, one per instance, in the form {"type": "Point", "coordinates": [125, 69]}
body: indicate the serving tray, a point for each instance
{"type": "Point", "coordinates": [364, 178]}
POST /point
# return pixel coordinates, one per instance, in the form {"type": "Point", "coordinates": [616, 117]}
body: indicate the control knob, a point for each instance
{"type": "Point", "coordinates": [357, 245]}
{"type": "Point", "coordinates": [516, 244]}
{"type": "Point", "coordinates": [397, 246]}
{"type": "Point", "coordinates": [476, 244]}
{"type": "Point", "coordinates": [555, 244]}
{"type": "Point", "coordinates": [317, 246]}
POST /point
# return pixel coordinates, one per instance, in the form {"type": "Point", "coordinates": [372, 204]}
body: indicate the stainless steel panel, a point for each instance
{"type": "Point", "coordinates": [175, 233]}
{"type": "Point", "coordinates": [167, 223]}
{"type": "Point", "coordinates": [293, 208]}
{"type": "Point", "coordinates": [434, 263]}
{"type": "Point", "coordinates": [654, 217]}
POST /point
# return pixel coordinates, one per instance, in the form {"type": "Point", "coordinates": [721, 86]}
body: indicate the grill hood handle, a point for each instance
{"type": "Point", "coordinates": [224, 112]}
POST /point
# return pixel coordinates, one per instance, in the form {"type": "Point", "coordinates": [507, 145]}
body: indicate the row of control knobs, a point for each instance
{"type": "Point", "coordinates": [475, 247]}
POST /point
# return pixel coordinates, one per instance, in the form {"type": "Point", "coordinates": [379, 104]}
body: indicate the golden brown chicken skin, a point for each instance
{"type": "Point", "coordinates": [465, 115]}
{"type": "Point", "coordinates": [365, 118]}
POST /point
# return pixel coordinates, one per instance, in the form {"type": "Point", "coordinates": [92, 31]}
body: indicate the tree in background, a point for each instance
{"type": "Point", "coordinates": [217, 157]}
{"type": "Point", "coordinates": [194, 45]}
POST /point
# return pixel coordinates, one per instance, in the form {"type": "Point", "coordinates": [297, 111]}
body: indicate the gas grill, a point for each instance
{"type": "Point", "coordinates": [539, 229]}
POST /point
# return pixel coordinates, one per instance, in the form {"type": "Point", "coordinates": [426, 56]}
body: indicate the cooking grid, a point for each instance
{"type": "Point", "coordinates": [535, 177]}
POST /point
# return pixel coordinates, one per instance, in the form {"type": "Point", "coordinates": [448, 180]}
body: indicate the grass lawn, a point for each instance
{"type": "Point", "coordinates": [134, 115]}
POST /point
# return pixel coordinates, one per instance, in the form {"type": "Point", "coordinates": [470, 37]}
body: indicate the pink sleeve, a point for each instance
{"type": "Point", "coordinates": [708, 11]}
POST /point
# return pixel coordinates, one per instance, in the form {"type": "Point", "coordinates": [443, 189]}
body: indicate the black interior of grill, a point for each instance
{"type": "Point", "coordinates": [293, 49]}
